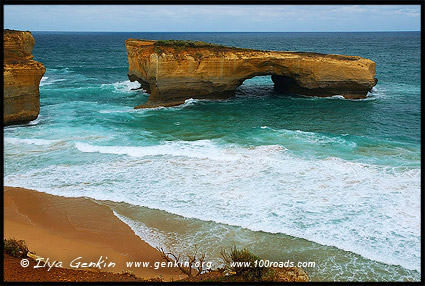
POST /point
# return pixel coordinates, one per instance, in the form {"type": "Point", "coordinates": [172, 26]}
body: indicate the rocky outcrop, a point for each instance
{"type": "Point", "coordinates": [173, 71]}
{"type": "Point", "coordinates": [22, 75]}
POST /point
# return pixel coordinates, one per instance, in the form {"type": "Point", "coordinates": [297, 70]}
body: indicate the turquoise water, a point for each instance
{"type": "Point", "coordinates": [290, 177]}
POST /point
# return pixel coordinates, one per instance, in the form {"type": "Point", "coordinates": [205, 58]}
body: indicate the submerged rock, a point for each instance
{"type": "Point", "coordinates": [22, 75]}
{"type": "Point", "coordinates": [173, 71]}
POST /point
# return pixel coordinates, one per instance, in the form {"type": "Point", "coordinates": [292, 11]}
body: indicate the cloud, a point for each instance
{"type": "Point", "coordinates": [212, 17]}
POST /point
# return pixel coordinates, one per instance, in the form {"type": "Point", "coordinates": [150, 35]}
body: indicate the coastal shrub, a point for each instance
{"type": "Point", "coordinates": [190, 265]}
{"type": "Point", "coordinates": [15, 248]}
{"type": "Point", "coordinates": [180, 45]}
{"type": "Point", "coordinates": [242, 262]}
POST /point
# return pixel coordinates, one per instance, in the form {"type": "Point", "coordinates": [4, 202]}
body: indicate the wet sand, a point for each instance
{"type": "Point", "coordinates": [63, 229]}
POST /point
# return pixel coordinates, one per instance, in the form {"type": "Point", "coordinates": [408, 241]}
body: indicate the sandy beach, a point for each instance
{"type": "Point", "coordinates": [63, 229]}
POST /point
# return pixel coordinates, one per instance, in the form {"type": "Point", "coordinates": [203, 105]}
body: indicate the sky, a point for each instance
{"type": "Point", "coordinates": [213, 18]}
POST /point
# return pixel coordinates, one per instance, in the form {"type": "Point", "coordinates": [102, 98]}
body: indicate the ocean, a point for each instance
{"type": "Point", "coordinates": [289, 177]}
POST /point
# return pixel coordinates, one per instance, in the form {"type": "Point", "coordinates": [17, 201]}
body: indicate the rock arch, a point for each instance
{"type": "Point", "coordinates": [173, 71]}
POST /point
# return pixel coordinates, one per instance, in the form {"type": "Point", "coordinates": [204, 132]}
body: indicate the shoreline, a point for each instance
{"type": "Point", "coordinates": [63, 229]}
{"type": "Point", "coordinates": [76, 230]}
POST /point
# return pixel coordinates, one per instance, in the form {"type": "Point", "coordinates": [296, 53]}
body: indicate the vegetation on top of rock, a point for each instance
{"type": "Point", "coordinates": [180, 45]}
{"type": "Point", "coordinates": [15, 248]}
{"type": "Point", "coordinates": [243, 263]}
{"type": "Point", "coordinates": [12, 31]}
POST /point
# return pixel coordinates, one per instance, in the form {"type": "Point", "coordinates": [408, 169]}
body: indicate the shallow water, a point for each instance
{"type": "Point", "coordinates": [307, 179]}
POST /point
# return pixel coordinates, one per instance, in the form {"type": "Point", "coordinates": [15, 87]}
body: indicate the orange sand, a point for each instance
{"type": "Point", "coordinates": [63, 229]}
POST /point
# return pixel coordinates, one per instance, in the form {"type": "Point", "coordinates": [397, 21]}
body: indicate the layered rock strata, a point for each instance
{"type": "Point", "coordinates": [21, 78]}
{"type": "Point", "coordinates": [173, 71]}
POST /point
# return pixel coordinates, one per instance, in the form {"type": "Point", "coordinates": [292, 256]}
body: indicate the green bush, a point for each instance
{"type": "Point", "coordinates": [15, 248]}
{"type": "Point", "coordinates": [180, 43]}
{"type": "Point", "coordinates": [248, 273]}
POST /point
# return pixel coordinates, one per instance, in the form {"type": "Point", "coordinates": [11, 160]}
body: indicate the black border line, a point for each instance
{"type": "Point", "coordinates": [217, 2]}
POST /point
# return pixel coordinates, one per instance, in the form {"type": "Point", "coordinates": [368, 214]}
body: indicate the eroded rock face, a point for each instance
{"type": "Point", "coordinates": [173, 71]}
{"type": "Point", "coordinates": [22, 75]}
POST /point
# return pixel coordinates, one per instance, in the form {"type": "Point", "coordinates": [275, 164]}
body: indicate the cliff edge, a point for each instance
{"type": "Point", "coordinates": [21, 78]}
{"type": "Point", "coordinates": [173, 71]}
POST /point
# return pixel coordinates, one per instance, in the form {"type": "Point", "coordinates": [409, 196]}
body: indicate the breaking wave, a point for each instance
{"type": "Point", "coordinates": [330, 201]}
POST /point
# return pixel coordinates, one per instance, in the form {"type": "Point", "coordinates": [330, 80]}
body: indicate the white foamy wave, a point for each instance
{"type": "Point", "coordinates": [172, 240]}
{"type": "Point", "coordinates": [122, 86]}
{"type": "Point", "coordinates": [336, 97]}
{"type": "Point", "coordinates": [31, 123]}
{"type": "Point", "coordinates": [370, 210]}
{"type": "Point", "coordinates": [203, 149]}
{"type": "Point", "coordinates": [35, 121]}
{"type": "Point", "coordinates": [45, 81]}
{"type": "Point", "coordinates": [312, 137]}
{"type": "Point", "coordinates": [369, 97]}
{"type": "Point", "coordinates": [374, 94]}
{"type": "Point", "coordinates": [40, 142]}
{"type": "Point", "coordinates": [188, 102]}
{"type": "Point", "coordinates": [152, 236]}
{"type": "Point", "coordinates": [320, 138]}
{"type": "Point", "coordinates": [108, 111]}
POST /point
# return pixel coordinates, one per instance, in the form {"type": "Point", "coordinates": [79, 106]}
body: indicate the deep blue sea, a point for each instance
{"type": "Point", "coordinates": [296, 178]}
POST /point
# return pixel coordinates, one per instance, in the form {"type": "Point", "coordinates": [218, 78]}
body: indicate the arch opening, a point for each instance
{"type": "Point", "coordinates": [266, 84]}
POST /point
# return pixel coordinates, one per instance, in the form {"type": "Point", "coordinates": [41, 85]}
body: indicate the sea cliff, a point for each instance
{"type": "Point", "coordinates": [173, 71]}
{"type": "Point", "coordinates": [22, 75]}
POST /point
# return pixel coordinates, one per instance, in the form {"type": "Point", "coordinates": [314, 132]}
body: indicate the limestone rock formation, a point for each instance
{"type": "Point", "coordinates": [173, 71]}
{"type": "Point", "coordinates": [22, 75]}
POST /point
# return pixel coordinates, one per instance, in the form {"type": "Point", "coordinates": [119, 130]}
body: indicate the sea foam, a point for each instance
{"type": "Point", "coordinates": [121, 86]}
{"type": "Point", "coordinates": [150, 235]}
{"type": "Point", "coordinates": [368, 209]}
{"type": "Point", "coordinates": [40, 142]}
{"type": "Point", "coordinates": [46, 81]}
{"type": "Point", "coordinates": [202, 149]}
